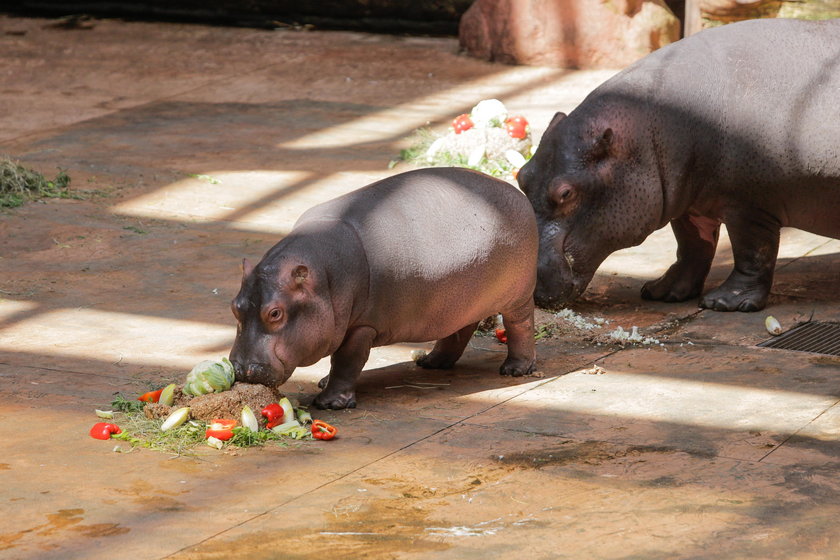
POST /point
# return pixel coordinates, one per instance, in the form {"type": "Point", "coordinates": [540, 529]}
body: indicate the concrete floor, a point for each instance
{"type": "Point", "coordinates": [702, 446]}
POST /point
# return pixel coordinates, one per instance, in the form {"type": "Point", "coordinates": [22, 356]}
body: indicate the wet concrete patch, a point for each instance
{"type": "Point", "coordinates": [587, 453]}
{"type": "Point", "coordinates": [64, 524]}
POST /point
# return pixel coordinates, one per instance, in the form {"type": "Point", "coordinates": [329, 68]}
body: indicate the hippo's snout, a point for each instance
{"type": "Point", "coordinates": [262, 374]}
{"type": "Point", "coordinates": [558, 282]}
{"type": "Point", "coordinates": [553, 294]}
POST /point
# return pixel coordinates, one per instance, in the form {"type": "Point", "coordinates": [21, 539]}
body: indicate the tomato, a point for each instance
{"type": "Point", "coordinates": [462, 123]}
{"type": "Point", "coordinates": [221, 428]}
{"type": "Point", "coordinates": [517, 127]}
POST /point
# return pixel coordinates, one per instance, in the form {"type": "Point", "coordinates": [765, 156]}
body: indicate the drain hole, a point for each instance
{"type": "Point", "coordinates": [814, 337]}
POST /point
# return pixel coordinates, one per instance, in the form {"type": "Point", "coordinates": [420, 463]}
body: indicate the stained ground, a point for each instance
{"type": "Point", "coordinates": [199, 146]}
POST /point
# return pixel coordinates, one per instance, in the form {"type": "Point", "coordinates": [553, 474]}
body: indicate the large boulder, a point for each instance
{"type": "Point", "coordinates": [567, 33]}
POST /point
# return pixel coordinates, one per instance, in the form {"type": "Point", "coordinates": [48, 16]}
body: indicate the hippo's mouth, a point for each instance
{"type": "Point", "coordinates": [553, 295]}
{"type": "Point", "coordinates": [266, 374]}
{"type": "Point", "coordinates": [559, 280]}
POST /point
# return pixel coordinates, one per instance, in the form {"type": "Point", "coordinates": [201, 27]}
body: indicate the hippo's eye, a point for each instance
{"type": "Point", "coordinates": [275, 314]}
{"type": "Point", "coordinates": [562, 198]}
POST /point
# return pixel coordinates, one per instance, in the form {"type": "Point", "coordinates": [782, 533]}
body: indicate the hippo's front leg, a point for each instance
{"type": "Point", "coordinates": [697, 238]}
{"type": "Point", "coordinates": [519, 328]}
{"type": "Point", "coordinates": [755, 245]}
{"type": "Point", "coordinates": [345, 366]}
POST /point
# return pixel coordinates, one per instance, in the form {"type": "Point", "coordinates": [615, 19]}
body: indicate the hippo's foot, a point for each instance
{"type": "Point", "coordinates": [517, 367]}
{"type": "Point", "coordinates": [447, 350]}
{"type": "Point", "coordinates": [673, 286]}
{"type": "Point", "coordinates": [735, 298]}
{"type": "Point", "coordinates": [437, 360]}
{"type": "Point", "coordinates": [335, 402]}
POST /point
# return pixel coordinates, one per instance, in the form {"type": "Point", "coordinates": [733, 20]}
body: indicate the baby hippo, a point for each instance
{"type": "Point", "coordinates": [423, 255]}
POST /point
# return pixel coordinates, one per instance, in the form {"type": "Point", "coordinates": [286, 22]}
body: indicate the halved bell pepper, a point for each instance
{"type": "Point", "coordinates": [273, 414]}
{"type": "Point", "coordinates": [322, 430]}
{"type": "Point", "coordinates": [151, 396]}
{"type": "Point", "coordinates": [220, 428]}
{"type": "Point", "coordinates": [103, 430]}
{"type": "Point", "coordinates": [501, 335]}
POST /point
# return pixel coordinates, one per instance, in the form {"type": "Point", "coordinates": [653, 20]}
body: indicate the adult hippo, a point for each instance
{"type": "Point", "coordinates": [737, 125]}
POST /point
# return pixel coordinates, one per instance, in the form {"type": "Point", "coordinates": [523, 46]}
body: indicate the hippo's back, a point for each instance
{"type": "Point", "coordinates": [756, 104]}
{"type": "Point", "coordinates": [437, 239]}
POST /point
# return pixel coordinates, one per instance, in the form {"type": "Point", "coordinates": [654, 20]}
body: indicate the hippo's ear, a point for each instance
{"type": "Point", "coordinates": [300, 275]}
{"type": "Point", "coordinates": [601, 147]}
{"type": "Point", "coordinates": [247, 268]}
{"type": "Point", "coordinates": [555, 120]}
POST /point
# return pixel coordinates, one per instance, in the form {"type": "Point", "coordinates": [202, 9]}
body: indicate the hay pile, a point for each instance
{"type": "Point", "coordinates": [19, 184]}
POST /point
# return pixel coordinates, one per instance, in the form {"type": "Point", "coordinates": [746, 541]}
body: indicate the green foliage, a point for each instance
{"type": "Point", "coordinates": [140, 431]}
{"type": "Point", "coordinates": [544, 331]}
{"type": "Point", "coordinates": [243, 437]}
{"type": "Point", "coordinates": [122, 404]}
{"type": "Point", "coordinates": [19, 184]}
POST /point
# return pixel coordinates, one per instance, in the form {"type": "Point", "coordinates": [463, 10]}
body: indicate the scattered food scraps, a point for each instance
{"type": "Point", "coordinates": [772, 325]}
{"type": "Point", "coordinates": [221, 429]}
{"type": "Point", "coordinates": [103, 430]}
{"type": "Point", "coordinates": [322, 430]}
{"type": "Point", "coordinates": [621, 336]}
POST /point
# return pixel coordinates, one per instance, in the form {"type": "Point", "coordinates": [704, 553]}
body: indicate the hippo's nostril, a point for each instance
{"type": "Point", "coordinates": [237, 367]}
{"type": "Point", "coordinates": [254, 373]}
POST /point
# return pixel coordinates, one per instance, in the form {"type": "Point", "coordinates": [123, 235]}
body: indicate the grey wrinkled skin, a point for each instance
{"type": "Point", "coordinates": [423, 255]}
{"type": "Point", "coordinates": [737, 125]}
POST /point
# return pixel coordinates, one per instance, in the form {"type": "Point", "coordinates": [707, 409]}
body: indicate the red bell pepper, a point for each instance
{"type": "Point", "coordinates": [220, 428]}
{"type": "Point", "coordinates": [151, 396]}
{"type": "Point", "coordinates": [501, 335]}
{"type": "Point", "coordinates": [274, 414]}
{"type": "Point", "coordinates": [103, 430]}
{"type": "Point", "coordinates": [322, 430]}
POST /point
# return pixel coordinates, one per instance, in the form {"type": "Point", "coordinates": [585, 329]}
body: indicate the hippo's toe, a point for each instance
{"type": "Point", "coordinates": [335, 402]}
{"type": "Point", "coordinates": [516, 367]}
{"type": "Point", "coordinates": [734, 300]}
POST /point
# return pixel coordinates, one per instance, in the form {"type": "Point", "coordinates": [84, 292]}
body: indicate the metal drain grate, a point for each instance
{"type": "Point", "coordinates": [814, 337]}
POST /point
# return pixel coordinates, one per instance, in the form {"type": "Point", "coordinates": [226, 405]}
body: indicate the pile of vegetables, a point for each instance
{"type": "Point", "coordinates": [486, 139]}
{"type": "Point", "coordinates": [178, 431]}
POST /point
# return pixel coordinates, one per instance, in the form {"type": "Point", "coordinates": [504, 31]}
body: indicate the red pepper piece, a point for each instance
{"type": "Point", "coordinates": [322, 430]}
{"type": "Point", "coordinates": [151, 396]}
{"type": "Point", "coordinates": [220, 428]}
{"type": "Point", "coordinates": [103, 430]}
{"type": "Point", "coordinates": [462, 123]}
{"type": "Point", "coordinates": [274, 414]}
{"type": "Point", "coordinates": [501, 335]}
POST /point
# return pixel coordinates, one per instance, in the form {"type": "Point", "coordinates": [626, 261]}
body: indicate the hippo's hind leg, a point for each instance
{"type": "Point", "coordinates": [697, 238]}
{"type": "Point", "coordinates": [519, 329]}
{"type": "Point", "coordinates": [755, 245]}
{"type": "Point", "coordinates": [447, 350]}
{"type": "Point", "coordinates": [339, 387]}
